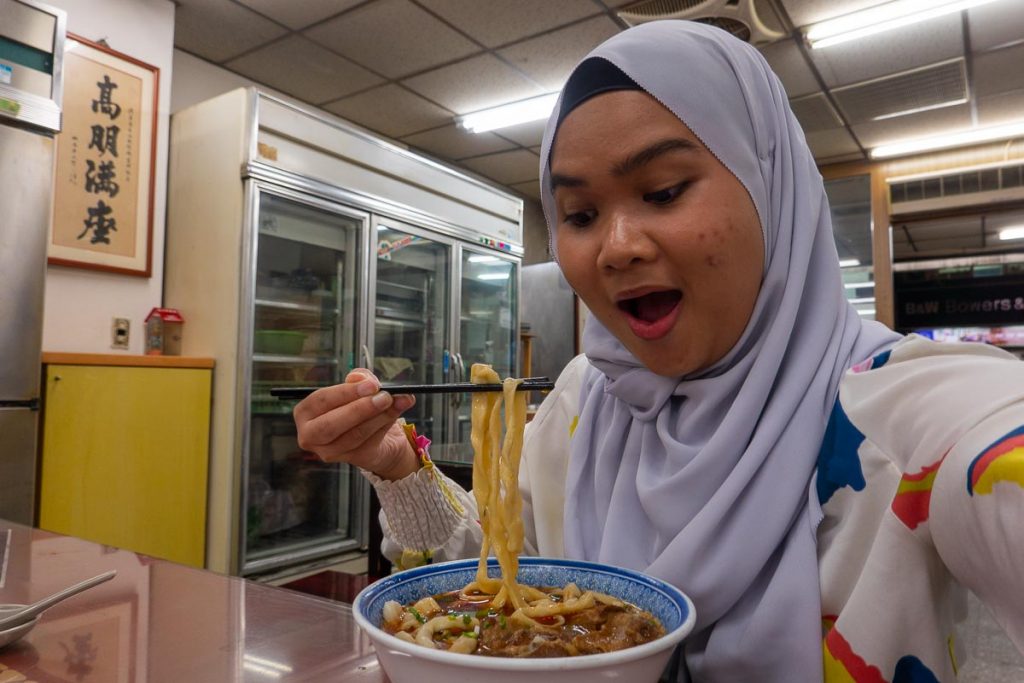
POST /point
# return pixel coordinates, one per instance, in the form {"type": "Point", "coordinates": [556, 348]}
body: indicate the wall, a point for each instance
{"type": "Point", "coordinates": [81, 304]}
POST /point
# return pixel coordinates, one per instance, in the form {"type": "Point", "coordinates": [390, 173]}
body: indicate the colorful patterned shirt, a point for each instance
{"type": "Point", "coordinates": [919, 493]}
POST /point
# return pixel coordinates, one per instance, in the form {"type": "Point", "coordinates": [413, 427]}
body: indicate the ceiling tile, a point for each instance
{"type": "Point", "coordinates": [474, 84]}
{"type": "Point", "coordinates": [303, 69]}
{"type": "Point", "coordinates": [830, 143]}
{"type": "Point", "coordinates": [924, 124]}
{"type": "Point", "coordinates": [516, 166]}
{"type": "Point", "coordinates": [498, 23]}
{"type": "Point", "coordinates": [392, 37]}
{"type": "Point", "coordinates": [896, 50]}
{"type": "Point", "coordinates": [220, 29]}
{"type": "Point", "coordinates": [530, 189]}
{"type": "Point", "coordinates": [298, 15]}
{"type": "Point", "coordinates": [933, 86]}
{"type": "Point", "coordinates": [999, 71]}
{"type": "Point", "coordinates": [549, 58]}
{"type": "Point", "coordinates": [452, 142]}
{"type": "Point", "coordinates": [815, 113]}
{"type": "Point", "coordinates": [526, 134]}
{"type": "Point", "coordinates": [804, 12]}
{"type": "Point", "coordinates": [789, 65]}
{"type": "Point", "coordinates": [825, 161]}
{"type": "Point", "coordinates": [390, 109]}
{"type": "Point", "coordinates": [1002, 108]}
{"type": "Point", "coordinates": [994, 24]}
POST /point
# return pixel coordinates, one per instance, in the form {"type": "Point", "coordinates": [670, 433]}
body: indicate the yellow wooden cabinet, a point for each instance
{"type": "Point", "coordinates": [125, 452]}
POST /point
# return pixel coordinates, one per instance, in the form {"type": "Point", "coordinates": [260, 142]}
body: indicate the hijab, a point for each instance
{"type": "Point", "coordinates": [704, 480]}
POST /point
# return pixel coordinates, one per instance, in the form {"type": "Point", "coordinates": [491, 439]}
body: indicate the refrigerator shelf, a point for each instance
{"type": "Point", "coordinates": [292, 306]}
{"type": "Point", "coordinates": [293, 360]}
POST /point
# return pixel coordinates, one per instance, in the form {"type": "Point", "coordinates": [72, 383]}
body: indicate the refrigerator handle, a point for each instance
{"type": "Point", "coordinates": [462, 378]}
{"type": "Point", "coordinates": [367, 357]}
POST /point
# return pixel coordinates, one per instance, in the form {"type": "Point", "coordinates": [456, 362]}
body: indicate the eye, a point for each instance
{"type": "Point", "coordinates": [665, 196]}
{"type": "Point", "coordinates": [580, 219]}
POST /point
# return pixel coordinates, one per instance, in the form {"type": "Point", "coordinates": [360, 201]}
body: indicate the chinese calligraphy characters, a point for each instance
{"type": "Point", "coordinates": [99, 178]}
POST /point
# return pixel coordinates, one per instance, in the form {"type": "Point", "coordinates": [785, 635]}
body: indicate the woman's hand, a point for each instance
{"type": "Point", "coordinates": [356, 423]}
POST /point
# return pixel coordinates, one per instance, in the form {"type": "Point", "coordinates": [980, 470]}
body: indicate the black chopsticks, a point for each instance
{"type": "Point", "coordinates": [528, 384]}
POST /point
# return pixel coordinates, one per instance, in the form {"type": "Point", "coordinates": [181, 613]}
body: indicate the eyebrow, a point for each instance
{"type": "Point", "coordinates": [632, 162]}
{"type": "Point", "coordinates": [652, 152]}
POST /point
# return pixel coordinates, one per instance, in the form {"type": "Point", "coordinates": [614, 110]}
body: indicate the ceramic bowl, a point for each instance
{"type": "Point", "coordinates": [409, 663]}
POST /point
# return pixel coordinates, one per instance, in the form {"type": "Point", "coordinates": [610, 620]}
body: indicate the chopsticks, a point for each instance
{"type": "Point", "coordinates": [528, 384]}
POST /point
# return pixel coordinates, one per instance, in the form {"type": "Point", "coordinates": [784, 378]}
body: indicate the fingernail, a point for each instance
{"type": "Point", "coordinates": [403, 401]}
{"type": "Point", "coordinates": [381, 399]}
{"type": "Point", "coordinates": [367, 387]}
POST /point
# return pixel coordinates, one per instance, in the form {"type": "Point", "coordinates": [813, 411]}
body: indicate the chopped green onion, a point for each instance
{"type": "Point", "coordinates": [502, 621]}
{"type": "Point", "coordinates": [416, 613]}
{"type": "Point", "coordinates": [452, 617]}
{"type": "Point", "coordinates": [466, 619]}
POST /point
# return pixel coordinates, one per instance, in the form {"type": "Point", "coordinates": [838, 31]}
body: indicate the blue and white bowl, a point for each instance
{"type": "Point", "coordinates": [410, 663]}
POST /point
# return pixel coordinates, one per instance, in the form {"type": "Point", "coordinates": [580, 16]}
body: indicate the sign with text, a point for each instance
{"type": "Point", "coordinates": [995, 301]}
{"type": "Point", "coordinates": [104, 183]}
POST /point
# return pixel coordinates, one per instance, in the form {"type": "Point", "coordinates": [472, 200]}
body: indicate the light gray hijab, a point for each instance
{"type": "Point", "coordinates": [704, 480]}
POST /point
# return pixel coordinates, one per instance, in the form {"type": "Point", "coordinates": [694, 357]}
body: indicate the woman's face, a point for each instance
{"type": "Point", "coordinates": [658, 238]}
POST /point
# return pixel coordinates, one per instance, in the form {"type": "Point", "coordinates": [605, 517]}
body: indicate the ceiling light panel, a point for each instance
{"type": "Point", "coordinates": [883, 18]}
{"type": "Point", "coordinates": [904, 94]}
{"type": "Point", "coordinates": [948, 140]}
{"type": "Point", "coordinates": [878, 56]}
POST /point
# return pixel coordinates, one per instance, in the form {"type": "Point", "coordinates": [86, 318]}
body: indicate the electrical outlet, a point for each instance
{"type": "Point", "coordinates": [119, 333]}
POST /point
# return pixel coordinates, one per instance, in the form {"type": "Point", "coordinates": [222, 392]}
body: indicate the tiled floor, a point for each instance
{"type": "Point", "coordinates": [991, 657]}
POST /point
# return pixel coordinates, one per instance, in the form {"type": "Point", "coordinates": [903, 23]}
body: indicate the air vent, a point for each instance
{"type": "Point", "coordinates": [978, 186]}
{"type": "Point", "coordinates": [815, 113]}
{"type": "Point", "coordinates": [931, 87]}
{"type": "Point", "coordinates": [742, 18]}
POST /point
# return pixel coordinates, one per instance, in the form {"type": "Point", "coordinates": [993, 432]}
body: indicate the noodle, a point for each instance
{"type": "Point", "coordinates": [487, 599]}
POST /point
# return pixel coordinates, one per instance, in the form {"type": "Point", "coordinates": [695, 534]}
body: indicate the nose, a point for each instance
{"type": "Point", "coordinates": [625, 242]}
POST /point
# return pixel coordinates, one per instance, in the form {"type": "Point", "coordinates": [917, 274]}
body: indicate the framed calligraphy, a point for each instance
{"type": "Point", "coordinates": [106, 154]}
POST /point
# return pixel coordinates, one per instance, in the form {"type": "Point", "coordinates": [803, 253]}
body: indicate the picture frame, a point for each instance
{"type": "Point", "coordinates": [104, 185]}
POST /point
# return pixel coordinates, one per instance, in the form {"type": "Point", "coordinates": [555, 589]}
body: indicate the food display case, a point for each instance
{"type": "Point", "coordinates": [301, 247]}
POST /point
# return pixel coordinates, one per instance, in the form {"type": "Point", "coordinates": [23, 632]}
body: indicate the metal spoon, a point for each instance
{"type": "Point", "coordinates": [13, 615]}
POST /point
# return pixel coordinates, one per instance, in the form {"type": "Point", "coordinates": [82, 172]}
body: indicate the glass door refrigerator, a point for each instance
{"type": "Point", "coordinates": [305, 283]}
{"type": "Point", "coordinates": [412, 317]}
{"type": "Point", "coordinates": [487, 331]}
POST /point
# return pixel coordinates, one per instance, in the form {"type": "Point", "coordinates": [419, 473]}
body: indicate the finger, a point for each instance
{"type": "Point", "coordinates": [336, 452]}
{"type": "Point", "coordinates": [323, 428]}
{"type": "Point", "coordinates": [359, 437]}
{"type": "Point", "coordinates": [327, 399]}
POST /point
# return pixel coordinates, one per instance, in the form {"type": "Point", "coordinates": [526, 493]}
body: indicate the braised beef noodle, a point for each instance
{"type": "Point", "coordinates": [466, 623]}
{"type": "Point", "coordinates": [499, 616]}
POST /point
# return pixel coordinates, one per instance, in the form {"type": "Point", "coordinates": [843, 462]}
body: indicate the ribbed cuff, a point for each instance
{"type": "Point", "coordinates": [419, 516]}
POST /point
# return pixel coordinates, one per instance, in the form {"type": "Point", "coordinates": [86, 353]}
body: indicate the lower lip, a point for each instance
{"type": "Point", "coordinates": [650, 331]}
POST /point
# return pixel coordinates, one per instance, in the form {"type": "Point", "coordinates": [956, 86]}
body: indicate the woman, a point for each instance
{"type": "Point", "coordinates": [734, 427]}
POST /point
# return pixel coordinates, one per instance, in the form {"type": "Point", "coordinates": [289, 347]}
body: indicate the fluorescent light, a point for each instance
{"type": "Point", "coordinates": [511, 114]}
{"type": "Point", "coordinates": [848, 262]}
{"type": "Point", "coordinates": [883, 18]}
{"type": "Point", "coordinates": [865, 311]}
{"type": "Point", "coordinates": [493, 276]}
{"type": "Point", "coordinates": [918, 110]}
{"type": "Point", "coordinates": [858, 285]}
{"type": "Point", "coordinates": [1014, 233]}
{"type": "Point", "coordinates": [959, 138]}
{"type": "Point", "coordinates": [483, 259]}
{"type": "Point", "coordinates": [864, 300]}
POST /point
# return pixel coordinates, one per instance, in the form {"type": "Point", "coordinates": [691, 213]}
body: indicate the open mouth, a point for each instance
{"type": "Point", "coordinates": [651, 315]}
